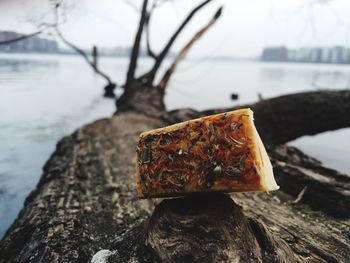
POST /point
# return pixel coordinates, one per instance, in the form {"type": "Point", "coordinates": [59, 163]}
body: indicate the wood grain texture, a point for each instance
{"type": "Point", "coordinates": [211, 228]}
{"type": "Point", "coordinates": [86, 201]}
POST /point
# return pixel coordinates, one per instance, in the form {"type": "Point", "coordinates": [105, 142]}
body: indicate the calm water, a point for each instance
{"type": "Point", "coordinates": [44, 98]}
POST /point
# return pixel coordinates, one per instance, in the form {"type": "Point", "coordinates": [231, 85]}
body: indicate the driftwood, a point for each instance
{"type": "Point", "coordinates": [85, 202]}
{"type": "Point", "coordinates": [285, 118]}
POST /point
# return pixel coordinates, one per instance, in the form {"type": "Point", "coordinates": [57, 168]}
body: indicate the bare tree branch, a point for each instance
{"type": "Point", "coordinates": [83, 54]}
{"type": "Point", "coordinates": [136, 47]}
{"type": "Point", "coordinates": [165, 79]}
{"type": "Point", "coordinates": [167, 47]}
{"type": "Point", "coordinates": [148, 45]}
{"type": "Point", "coordinates": [22, 37]}
{"type": "Point", "coordinates": [156, 3]}
{"type": "Point", "coordinates": [42, 27]}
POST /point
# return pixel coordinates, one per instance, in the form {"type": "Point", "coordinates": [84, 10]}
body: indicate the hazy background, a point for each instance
{"type": "Point", "coordinates": [244, 29]}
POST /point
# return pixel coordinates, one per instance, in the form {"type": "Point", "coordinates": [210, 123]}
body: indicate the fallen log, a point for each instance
{"type": "Point", "coordinates": [285, 118]}
{"type": "Point", "coordinates": [85, 202]}
{"type": "Point", "coordinates": [324, 189]}
{"type": "Point", "coordinates": [199, 228]}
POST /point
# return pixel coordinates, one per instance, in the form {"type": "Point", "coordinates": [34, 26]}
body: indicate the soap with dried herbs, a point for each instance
{"type": "Point", "coordinates": [220, 153]}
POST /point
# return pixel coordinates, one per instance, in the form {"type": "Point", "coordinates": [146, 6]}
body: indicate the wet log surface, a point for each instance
{"type": "Point", "coordinates": [85, 202]}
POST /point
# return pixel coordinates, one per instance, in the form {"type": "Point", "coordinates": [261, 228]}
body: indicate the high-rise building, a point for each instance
{"type": "Point", "coordinates": [315, 55]}
{"type": "Point", "coordinates": [31, 44]}
{"type": "Point", "coordinates": [337, 54]}
{"type": "Point", "coordinates": [274, 54]}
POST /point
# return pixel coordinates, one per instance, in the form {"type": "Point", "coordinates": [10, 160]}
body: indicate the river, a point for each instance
{"type": "Point", "coordinates": [45, 97]}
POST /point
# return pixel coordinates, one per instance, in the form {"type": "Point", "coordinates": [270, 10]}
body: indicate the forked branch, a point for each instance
{"type": "Point", "coordinates": [84, 55]}
{"type": "Point", "coordinates": [165, 79]}
{"type": "Point", "coordinates": [136, 47]}
{"type": "Point", "coordinates": [155, 4]}
{"type": "Point", "coordinates": [171, 41]}
{"type": "Point", "coordinates": [111, 85]}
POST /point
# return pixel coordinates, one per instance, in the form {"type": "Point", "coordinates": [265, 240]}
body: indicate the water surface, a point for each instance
{"type": "Point", "coordinates": [44, 98]}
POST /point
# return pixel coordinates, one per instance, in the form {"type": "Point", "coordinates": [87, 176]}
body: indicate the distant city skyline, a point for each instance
{"type": "Point", "coordinates": [334, 54]}
{"type": "Point", "coordinates": [31, 44]}
{"type": "Point", "coordinates": [245, 28]}
{"type": "Point", "coordinates": [38, 44]}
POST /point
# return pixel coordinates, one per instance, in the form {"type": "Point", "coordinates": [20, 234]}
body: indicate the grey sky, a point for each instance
{"type": "Point", "coordinates": [244, 29]}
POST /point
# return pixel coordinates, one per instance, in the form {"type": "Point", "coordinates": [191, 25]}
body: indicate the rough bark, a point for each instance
{"type": "Point", "coordinates": [325, 189]}
{"type": "Point", "coordinates": [84, 197]}
{"type": "Point", "coordinates": [85, 202]}
{"type": "Point", "coordinates": [142, 97]}
{"type": "Point", "coordinates": [210, 228]}
{"type": "Point", "coordinates": [285, 118]}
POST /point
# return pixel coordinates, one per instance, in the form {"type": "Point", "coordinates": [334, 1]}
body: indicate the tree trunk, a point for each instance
{"type": "Point", "coordinates": [86, 202]}
{"type": "Point", "coordinates": [285, 118]}
{"type": "Point", "coordinates": [142, 97]}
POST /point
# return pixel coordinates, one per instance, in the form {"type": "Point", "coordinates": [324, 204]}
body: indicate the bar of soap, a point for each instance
{"type": "Point", "coordinates": [222, 153]}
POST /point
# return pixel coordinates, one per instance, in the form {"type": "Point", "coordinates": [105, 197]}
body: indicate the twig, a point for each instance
{"type": "Point", "coordinates": [83, 54]}
{"type": "Point", "coordinates": [23, 37]}
{"type": "Point", "coordinates": [76, 48]}
{"type": "Point", "coordinates": [300, 196]}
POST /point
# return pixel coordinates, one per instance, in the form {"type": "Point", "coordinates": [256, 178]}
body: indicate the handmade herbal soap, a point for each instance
{"type": "Point", "coordinates": [222, 153]}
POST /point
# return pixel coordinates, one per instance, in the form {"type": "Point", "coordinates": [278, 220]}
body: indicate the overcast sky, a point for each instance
{"type": "Point", "coordinates": [244, 29]}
